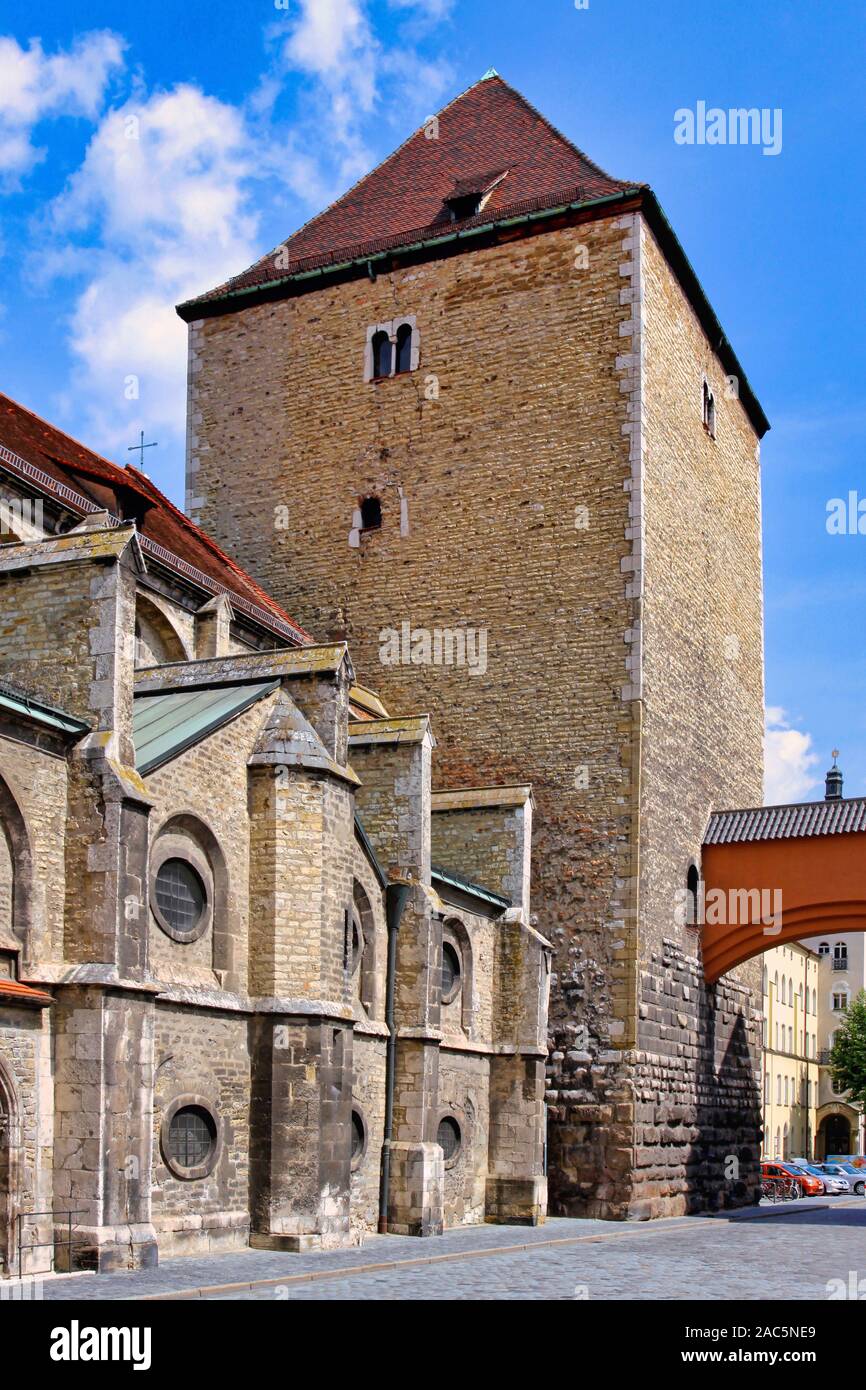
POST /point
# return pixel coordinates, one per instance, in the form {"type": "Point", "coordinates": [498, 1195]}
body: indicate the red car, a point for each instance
{"type": "Point", "coordinates": [806, 1184]}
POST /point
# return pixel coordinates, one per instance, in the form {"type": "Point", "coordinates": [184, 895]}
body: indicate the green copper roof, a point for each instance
{"type": "Point", "coordinates": [164, 725]}
{"type": "Point", "coordinates": [465, 885]}
{"type": "Point", "coordinates": [20, 702]}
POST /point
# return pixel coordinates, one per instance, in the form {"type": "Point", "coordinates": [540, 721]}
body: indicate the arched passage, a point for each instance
{"type": "Point", "coordinates": [763, 888]}
{"type": "Point", "coordinates": [837, 1131]}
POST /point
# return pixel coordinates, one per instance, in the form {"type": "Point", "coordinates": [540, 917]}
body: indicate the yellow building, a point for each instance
{"type": "Point", "coordinates": [790, 1055]}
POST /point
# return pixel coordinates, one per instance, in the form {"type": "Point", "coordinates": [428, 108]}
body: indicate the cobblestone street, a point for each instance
{"type": "Point", "coordinates": [715, 1258]}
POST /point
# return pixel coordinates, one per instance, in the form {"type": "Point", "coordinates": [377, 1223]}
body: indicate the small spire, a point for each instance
{"type": "Point", "coordinates": [833, 780]}
{"type": "Point", "coordinates": [491, 72]}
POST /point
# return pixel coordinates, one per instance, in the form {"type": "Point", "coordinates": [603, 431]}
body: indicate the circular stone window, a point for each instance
{"type": "Point", "coordinates": [450, 972]}
{"type": "Point", "coordinates": [179, 893]}
{"type": "Point", "coordinates": [449, 1139]}
{"type": "Point", "coordinates": [190, 1138]}
{"type": "Point", "coordinates": [359, 1138]}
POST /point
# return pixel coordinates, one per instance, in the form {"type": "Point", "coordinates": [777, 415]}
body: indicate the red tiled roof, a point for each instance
{"type": "Point", "coordinates": [11, 992]}
{"type": "Point", "coordinates": [128, 493]}
{"type": "Point", "coordinates": [489, 129]}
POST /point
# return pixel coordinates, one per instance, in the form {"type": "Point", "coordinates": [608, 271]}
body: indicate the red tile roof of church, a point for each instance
{"type": "Point", "coordinates": [127, 492]}
{"type": "Point", "coordinates": [11, 992]}
{"type": "Point", "coordinates": [489, 132]}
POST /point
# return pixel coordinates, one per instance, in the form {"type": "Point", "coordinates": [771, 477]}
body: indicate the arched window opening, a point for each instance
{"type": "Point", "coordinates": [382, 354]}
{"type": "Point", "coordinates": [693, 896]}
{"type": "Point", "coordinates": [404, 348]}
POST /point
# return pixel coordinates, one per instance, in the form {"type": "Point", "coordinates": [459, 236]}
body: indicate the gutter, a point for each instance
{"type": "Point", "coordinates": [649, 204]}
{"type": "Point", "coordinates": [193, 309]}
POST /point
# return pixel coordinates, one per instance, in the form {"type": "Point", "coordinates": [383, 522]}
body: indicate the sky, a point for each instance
{"type": "Point", "coordinates": [147, 152]}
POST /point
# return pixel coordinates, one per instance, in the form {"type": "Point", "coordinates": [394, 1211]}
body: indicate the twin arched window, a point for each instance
{"type": "Point", "coordinates": [391, 350]}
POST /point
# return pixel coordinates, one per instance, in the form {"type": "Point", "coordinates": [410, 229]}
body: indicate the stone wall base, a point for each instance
{"type": "Point", "coordinates": [516, 1201]}
{"type": "Point", "coordinates": [303, 1241]}
{"type": "Point", "coordinates": [107, 1249]}
{"type": "Point", "coordinates": [417, 1189]}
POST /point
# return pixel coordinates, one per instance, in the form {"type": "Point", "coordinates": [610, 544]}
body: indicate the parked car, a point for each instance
{"type": "Point", "coordinates": [803, 1166]}
{"type": "Point", "coordinates": [806, 1184]}
{"type": "Point", "coordinates": [835, 1178]}
{"type": "Point", "coordinates": [856, 1176]}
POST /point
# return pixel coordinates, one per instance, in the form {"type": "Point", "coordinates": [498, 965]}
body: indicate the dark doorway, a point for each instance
{"type": "Point", "coordinates": [834, 1136]}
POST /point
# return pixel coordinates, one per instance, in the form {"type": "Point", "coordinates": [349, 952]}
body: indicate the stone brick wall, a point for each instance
{"type": "Point", "coordinates": [563, 498]}
{"type": "Point", "coordinates": [464, 1082]}
{"type": "Point", "coordinates": [207, 784]}
{"type": "Point", "coordinates": [368, 1093]}
{"type": "Point", "coordinates": [205, 1054]}
{"type": "Point", "coordinates": [37, 783]}
{"type": "Point", "coordinates": [27, 1121]}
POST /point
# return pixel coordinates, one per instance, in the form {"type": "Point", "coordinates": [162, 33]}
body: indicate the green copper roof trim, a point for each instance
{"type": "Point", "coordinates": [163, 726]}
{"type": "Point", "coordinates": [465, 885]}
{"type": "Point", "coordinates": [423, 244]}
{"type": "Point", "coordinates": [657, 219]}
{"type": "Point", "coordinates": [491, 72]}
{"type": "Point", "coordinates": [19, 702]}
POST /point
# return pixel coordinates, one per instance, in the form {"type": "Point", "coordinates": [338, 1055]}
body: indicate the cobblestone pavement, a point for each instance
{"type": "Point", "coordinates": [790, 1254]}
{"type": "Point", "coordinates": [790, 1257]}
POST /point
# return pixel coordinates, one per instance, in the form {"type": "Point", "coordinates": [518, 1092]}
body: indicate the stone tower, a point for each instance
{"type": "Point", "coordinates": [481, 415]}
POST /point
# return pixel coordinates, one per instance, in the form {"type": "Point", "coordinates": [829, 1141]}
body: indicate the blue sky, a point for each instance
{"type": "Point", "coordinates": [147, 152]}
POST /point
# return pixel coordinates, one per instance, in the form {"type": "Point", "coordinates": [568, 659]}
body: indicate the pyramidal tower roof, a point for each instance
{"type": "Point", "coordinates": [489, 142]}
{"type": "Point", "coordinates": [485, 163]}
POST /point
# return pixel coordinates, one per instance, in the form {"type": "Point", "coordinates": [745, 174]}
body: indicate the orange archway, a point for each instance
{"type": "Point", "coordinates": [779, 874]}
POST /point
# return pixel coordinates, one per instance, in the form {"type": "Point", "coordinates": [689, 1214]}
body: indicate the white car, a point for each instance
{"type": "Point", "coordinates": [836, 1180]}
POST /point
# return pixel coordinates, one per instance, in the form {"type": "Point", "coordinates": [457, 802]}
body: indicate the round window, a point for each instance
{"type": "Point", "coordinates": [450, 972]}
{"type": "Point", "coordinates": [448, 1137]}
{"type": "Point", "coordinates": [192, 1137]}
{"type": "Point", "coordinates": [359, 1137]}
{"type": "Point", "coordinates": [180, 896]}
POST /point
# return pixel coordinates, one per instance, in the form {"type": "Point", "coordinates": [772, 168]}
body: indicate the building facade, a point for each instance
{"type": "Point", "coordinates": [479, 416]}
{"type": "Point", "coordinates": [841, 976]}
{"type": "Point", "coordinates": [791, 1073]}
{"type": "Point", "coordinates": [259, 983]}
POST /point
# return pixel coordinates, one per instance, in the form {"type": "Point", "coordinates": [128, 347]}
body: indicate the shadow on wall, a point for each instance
{"type": "Point", "coordinates": [723, 1168]}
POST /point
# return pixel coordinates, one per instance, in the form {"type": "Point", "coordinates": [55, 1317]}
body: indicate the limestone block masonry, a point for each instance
{"type": "Point", "coordinates": [545, 480]}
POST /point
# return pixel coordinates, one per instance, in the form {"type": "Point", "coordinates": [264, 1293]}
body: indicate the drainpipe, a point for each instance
{"type": "Point", "coordinates": [396, 895]}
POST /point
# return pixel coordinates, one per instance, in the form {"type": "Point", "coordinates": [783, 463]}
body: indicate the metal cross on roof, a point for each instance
{"type": "Point", "coordinates": [141, 446]}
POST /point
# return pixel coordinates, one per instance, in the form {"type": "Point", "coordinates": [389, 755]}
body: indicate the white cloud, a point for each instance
{"type": "Point", "coordinates": [35, 85]}
{"type": "Point", "coordinates": [162, 206]}
{"type": "Point", "coordinates": [789, 762]}
{"type": "Point", "coordinates": [353, 79]}
{"type": "Point", "coordinates": [163, 193]}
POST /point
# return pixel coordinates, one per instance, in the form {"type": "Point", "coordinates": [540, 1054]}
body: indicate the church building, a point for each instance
{"type": "Point", "coordinates": [259, 981]}
{"type": "Point", "coordinates": [484, 395]}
